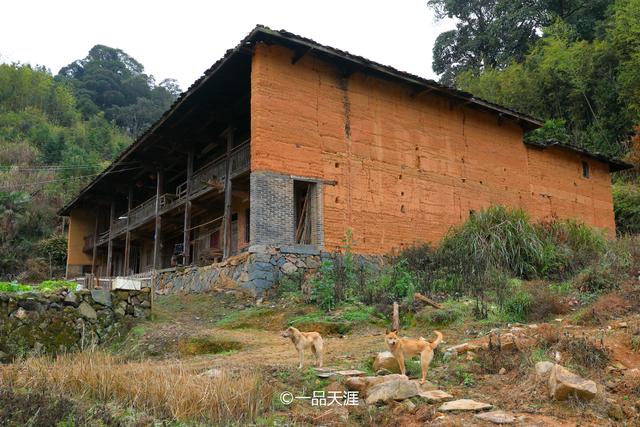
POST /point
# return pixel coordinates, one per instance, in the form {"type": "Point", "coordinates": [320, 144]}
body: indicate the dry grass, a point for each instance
{"type": "Point", "coordinates": [170, 391]}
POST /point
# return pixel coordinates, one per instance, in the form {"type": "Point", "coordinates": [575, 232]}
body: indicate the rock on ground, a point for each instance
{"type": "Point", "coordinates": [464, 405]}
{"type": "Point", "coordinates": [385, 360]}
{"type": "Point", "coordinates": [497, 417]}
{"type": "Point", "coordinates": [564, 383]}
{"type": "Point", "coordinates": [435, 396]}
{"type": "Point", "coordinates": [363, 384]}
{"type": "Point", "coordinates": [392, 390]}
{"type": "Point", "coordinates": [543, 369]}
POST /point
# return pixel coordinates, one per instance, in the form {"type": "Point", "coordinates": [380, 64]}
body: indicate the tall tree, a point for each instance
{"type": "Point", "coordinates": [493, 33]}
{"type": "Point", "coordinates": [111, 81]}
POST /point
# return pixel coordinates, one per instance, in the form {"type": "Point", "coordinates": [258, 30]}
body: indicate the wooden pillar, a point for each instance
{"type": "Point", "coordinates": [186, 240]}
{"type": "Point", "coordinates": [157, 237]}
{"type": "Point", "coordinates": [112, 214]}
{"type": "Point", "coordinates": [226, 242]}
{"type": "Point", "coordinates": [127, 239]}
{"type": "Point", "coordinates": [95, 245]}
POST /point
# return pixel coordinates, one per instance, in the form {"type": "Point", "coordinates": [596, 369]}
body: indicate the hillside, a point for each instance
{"type": "Point", "coordinates": [55, 135]}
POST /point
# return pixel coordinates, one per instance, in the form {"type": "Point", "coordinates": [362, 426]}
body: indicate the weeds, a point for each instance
{"type": "Point", "coordinates": [172, 391]}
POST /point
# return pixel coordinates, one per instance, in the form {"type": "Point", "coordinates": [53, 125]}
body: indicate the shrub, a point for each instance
{"type": "Point", "coordinates": [516, 307]}
{"type": "Point", "coordinates": [569, 246]}
{"type": "Point", "coordinates": [492, 245]}
{"type": "Point", "coordinates": [323, 285]}
{"type": "Point", "coordinates": [583, 351]}
{"type": "Point", "coordinates": [595, 279]}
{"type": "Point", "coordinates": [392, 283]}
{"type": "Point", "coordinates": [546, 303]}
{"type": "Point", "coordinates": [626, 206]}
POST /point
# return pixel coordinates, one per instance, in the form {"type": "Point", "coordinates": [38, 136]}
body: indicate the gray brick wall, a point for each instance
{"type": "Point", "coordinates": [272, 216]}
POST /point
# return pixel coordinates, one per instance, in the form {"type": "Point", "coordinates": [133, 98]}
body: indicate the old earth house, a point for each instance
{"type": "Point", "coordinates": [288, 142]}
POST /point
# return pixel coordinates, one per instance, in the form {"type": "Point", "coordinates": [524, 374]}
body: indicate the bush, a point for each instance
{"type": "Point", "coordinates": [393, 283]}
{"type": "Point", "coordinates": [517, 306]}
{"type": "Point", "coordinates": [491, 246]}
{"type": "Point", "coordinates": [569, 246]}
{"type": "Point", "coordinates": [323, 286]}
{"type": "Point", "coordinates": [626, 206]}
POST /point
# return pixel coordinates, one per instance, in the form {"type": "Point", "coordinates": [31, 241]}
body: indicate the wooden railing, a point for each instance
{"type": "Point", "coordinates": [203, 181]}
{"type": "Point", "coordinates": [103, 237]}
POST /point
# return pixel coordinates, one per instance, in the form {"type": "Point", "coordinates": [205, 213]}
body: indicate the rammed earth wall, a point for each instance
{"type": "Point", "coordinates": [63, 321]}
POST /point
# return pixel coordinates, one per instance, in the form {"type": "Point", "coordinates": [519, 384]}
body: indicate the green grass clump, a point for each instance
{"type": "Point", "coordinates": [53, 285]}
{"type": "Point", "coordinates": [14, 287]}
{"type": "Point", "coordinates": [244, 319]}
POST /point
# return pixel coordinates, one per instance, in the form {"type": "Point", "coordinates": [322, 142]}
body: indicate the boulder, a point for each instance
{"type": "Point", "coordinates": [392, 390]}
{"type": "Point", "coordinates": [543, 369]}
{"type": "Point", "coordinates": [21, 314]}
{"type": "Point", "coordinates": [464, 405]}
{"type": "Point", "coordinates": [435, 396]}
{"type": "Point", "coordinates": [497, 417]}
{"type": "Point", "coordinates": [87, 311]}
{"type": "Point", "coordinates": [564, 383]}
{"type": "Point", "coordinates": [289, 268]}
{"type": "Point", "coordinates": [71, 299]}
{"type": "Point", "coordinates": [363, 384]}
{"type": "Point", "coordinates": [385, 360]}
{"type": "Point", "coordinates": [102, 297]}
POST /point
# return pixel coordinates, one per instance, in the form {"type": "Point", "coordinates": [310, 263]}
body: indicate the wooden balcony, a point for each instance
{"type": "Point", "coordinates": [206, 179]}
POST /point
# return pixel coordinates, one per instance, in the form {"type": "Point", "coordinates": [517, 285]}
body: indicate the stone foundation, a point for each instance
{"type": "Point", "coordinates": [63, 321]}
{"type": "Point", "coordinates": [255, 271]}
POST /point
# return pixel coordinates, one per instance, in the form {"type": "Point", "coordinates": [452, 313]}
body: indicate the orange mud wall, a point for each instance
{"type": "Point", "coordinates": [406, 168]}
{"type": "Point", "coordinates": [81, 223]}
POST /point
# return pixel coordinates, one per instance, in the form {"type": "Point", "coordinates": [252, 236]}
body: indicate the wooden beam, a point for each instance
{"type": "Point", "coordinates": [226, 222]}
{"type": "Point", "coordinates": [127, 239]}
{"type": "Point", "coordinates": [112, 214]}
{"type": "Point", "coordinates": [186, 240]}
{"type": "Point", "coordinates": [157, 236]}
{"type": "Point", "coordinates": [95, 245]}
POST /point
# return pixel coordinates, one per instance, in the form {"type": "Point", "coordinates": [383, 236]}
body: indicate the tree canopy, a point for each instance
{"type": "Point", "coordinates": [493, 33]}
{"type": "Point", "coordinates": [111, 81]}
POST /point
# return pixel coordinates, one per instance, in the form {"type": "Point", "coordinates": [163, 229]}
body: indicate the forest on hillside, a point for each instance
{"type": "Point", "coordinates": [57, 133]}
{"type": "Point", "coordinates": [573, 63]}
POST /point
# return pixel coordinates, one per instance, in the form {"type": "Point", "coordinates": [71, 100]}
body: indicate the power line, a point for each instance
{"type": "Point", "coordinates": [54, 167]}
{"type": "Point", "coordinates": [23, 185]}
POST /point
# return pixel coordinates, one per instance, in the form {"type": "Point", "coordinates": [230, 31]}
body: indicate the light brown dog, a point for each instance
{"type": "Point", "coordinates": [302, 340]}
{"type": "Point", "coordinates": [407, 347]}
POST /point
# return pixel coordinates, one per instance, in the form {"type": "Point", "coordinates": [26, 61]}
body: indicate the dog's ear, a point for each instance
{"type": "Point", "coordinates": [386, 331]}
{"type": "Point", "coordinates": [395, 331]}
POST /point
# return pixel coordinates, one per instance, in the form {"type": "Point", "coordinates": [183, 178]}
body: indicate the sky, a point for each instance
{"type": "Point", "coordinates": [181, 39]}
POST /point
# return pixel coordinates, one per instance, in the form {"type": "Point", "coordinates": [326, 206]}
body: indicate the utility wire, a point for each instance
{"type": "Point", "coordinates": [22, 185]}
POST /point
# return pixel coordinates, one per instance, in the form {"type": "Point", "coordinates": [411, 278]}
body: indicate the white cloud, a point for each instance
{"type": "Point", "coordinates": [182, 39]}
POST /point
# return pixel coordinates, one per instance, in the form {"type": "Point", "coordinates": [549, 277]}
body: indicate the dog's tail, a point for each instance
{"type": "Point", "coordinates": [438, 340]}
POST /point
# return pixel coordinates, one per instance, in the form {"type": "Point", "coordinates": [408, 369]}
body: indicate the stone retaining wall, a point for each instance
{"type": "Point", "coordinates": [254, 271]}
{"type": "Point", "coordinates": [53, 323]}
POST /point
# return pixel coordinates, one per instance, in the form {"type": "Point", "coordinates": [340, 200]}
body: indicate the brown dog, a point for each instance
{"type": "Point", "coordinates": [302, 340]}
{"type": "Point", "coordinates": [407, 347]}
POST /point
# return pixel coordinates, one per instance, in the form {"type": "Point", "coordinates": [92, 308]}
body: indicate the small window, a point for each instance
{"type": "Point", "coordinates": [585, 170]}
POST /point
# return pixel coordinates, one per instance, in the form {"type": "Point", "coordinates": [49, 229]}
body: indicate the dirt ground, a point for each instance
{"type": "Point", "coordinates": [183, 318]}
